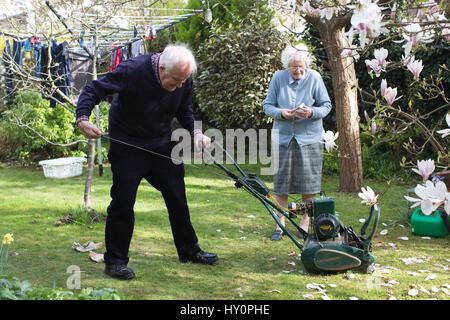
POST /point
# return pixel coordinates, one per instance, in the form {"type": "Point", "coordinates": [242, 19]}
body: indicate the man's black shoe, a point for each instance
{"type": "Point", "coordinates": [119, 271]}
{"type": "Point", "coordinates": [201, 257]}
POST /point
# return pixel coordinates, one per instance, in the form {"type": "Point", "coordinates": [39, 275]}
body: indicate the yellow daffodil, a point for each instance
{"type": "Point", "coordinates": [8, 238]}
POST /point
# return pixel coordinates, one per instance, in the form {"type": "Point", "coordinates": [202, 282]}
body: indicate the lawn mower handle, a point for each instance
{"type": "Point", "coordinates": [368, 240]}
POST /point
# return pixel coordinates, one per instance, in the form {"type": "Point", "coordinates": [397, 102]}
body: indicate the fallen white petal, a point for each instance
{"type": "Point", "coordinates": [332, 285]}
{"type": "Point", "coordinates": [431, 277]}
{"type": "Point", "coordinates": [413, 292]}
{"type": "Point", "coordinates": [308, 296]}
{"type": "Point", "coordinates": [275, 290]}
{"type": "Point", "coordinates": [362, 220]}
{"type": "Point", "coordinates": [434, 289]}
{"type": "Point", "coordinates": [403, 238]}
{"type": "Point", "coordinates": [383, 232]}
{"type": "Point", "coordinates": [423, 289]}
{"type": "Point", "coordinates": [287, 271]}
{"type": "Point", "coordinates": [326, 297]}
{"type": "Point", "coordinates": [251, 217]}
{"type": "Point", "coordinates": [353, 298]}
{"type": "Point", "coordinates": [426, 238]}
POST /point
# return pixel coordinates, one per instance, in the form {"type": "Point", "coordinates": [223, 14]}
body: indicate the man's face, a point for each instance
{"type": "Point", "coordinates": [297, 69]}
{"type": "Point", "coordinates": [175, 77]}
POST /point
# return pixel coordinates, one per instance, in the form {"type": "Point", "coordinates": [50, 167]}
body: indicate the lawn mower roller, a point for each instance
{"type": "Point", "coordinates": [331, 246]}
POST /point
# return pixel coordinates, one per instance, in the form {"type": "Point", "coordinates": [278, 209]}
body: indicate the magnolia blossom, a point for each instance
{"type": "Point", "coordinates": [208, 15]}
{"type": "Point", "coordinates": [373, 127]}
{"type": "Point", "coordinates": [388, 93]}
{"type": "Point", "coordinates": [328, 12]}
{"type": "Point", "coordinates": [379, 63]}
{"type": "Point", "coordinates": [381, 55]}
{"type": "Point", "coordinates": [445, 132]}
{"type": "Point", "coordinates": [350, 52]}
{"type": "Point", "coordinates": [368, 196]}
{"type": "Point", "coordinates": [373, 64]}
{"type": "Point", "coordinates": [328, 139]}
{"type": "Point", "coordinates": [431, 197]}
{"type": "Point", "coordinates": [414, 35]}
{"type": "Point", "coordinates": [446, 33]}
{"type": "Point", "coordinates": [366, 21]}
{"type": "Point", "coordinates": [309, 10]}
{"type": "Point", "coordinates": [425, 168]}
{"type": "Point", "coordinates": [415, 66]}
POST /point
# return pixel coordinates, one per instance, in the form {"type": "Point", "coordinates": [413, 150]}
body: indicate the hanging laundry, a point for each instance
{"type": "Point", "coordinates": [137, 48]}
{"type": "Point", "coordinates": [150, 32]}
{"type": "Point", "coordinates": [115, 57]}
{"type": "Point", "coordinates": [17, 52]}
{"type": "Point", "coordinates": [37, 47]}
{"type": "Point", "coordinates": [60, 71]}
{"type": "Point", "coordinates": [81, 71]}
{"type": "Point", "coordinates": [7, 59]}
{"type": "Point", "coordinates": [34, 40]}
{"type": "Point", "coordinates": [124, 53]}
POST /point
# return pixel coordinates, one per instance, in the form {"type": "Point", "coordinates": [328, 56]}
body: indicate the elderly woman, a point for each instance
{"type": "Point", "coordinates": [297, 100]}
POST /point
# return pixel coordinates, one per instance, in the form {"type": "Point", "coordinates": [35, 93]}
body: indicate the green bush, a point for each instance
{"type": "Point", "coordinates": [20, 144]}
{"type": "Point", "coordinates": [236, 65]}
{"type": "Point", "coordinates": [195, 30]}
{"type": "Point", "coordinates": [12, 288]}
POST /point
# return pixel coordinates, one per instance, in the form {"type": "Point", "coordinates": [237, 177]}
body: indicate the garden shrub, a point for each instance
{"type": "Point", "coordinates": [195, 30]}
{"type": "Point", "coordinates": [57, 125]}
{"type": "Point", "coordinates": [235, 66]}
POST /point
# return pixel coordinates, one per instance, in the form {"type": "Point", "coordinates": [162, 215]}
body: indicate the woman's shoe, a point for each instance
{"type": "Point", "coordinates": [276, 236]}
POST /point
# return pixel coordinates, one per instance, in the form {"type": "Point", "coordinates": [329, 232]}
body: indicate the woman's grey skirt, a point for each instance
{"type": "Point", "coordinates": [299, 169]}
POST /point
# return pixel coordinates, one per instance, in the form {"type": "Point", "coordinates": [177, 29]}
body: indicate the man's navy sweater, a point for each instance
{"type": "Point", "coordinates": [142, 111]}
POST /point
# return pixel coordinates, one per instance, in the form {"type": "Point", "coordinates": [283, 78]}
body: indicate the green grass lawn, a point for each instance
{"type": "Point", "coordinates": [228, 221]}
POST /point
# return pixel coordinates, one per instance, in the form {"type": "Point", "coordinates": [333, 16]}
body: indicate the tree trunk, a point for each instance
{"type": "Point", "coordinates": [89, 174]}
{"type": "Point", "coordinates": [91, 144]}
{"type": "Point", "coordinates": [346, 102]}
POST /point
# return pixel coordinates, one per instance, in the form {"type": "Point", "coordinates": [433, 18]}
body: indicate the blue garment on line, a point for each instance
{"type": "Point", "coordinates": [60, 72]}
{"type": "Point", "coordinates": [37, 47]}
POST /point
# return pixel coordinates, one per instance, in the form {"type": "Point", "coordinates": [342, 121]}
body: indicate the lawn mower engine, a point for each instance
{"type": "Point", "coordinates": [331, 246]}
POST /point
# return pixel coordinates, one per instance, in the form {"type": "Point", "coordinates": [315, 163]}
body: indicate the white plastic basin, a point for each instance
{"type": "Point", "coordinates": [63, 167]}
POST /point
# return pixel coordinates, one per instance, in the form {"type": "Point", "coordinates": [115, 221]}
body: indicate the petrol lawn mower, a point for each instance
{"type": "Point", "coordinates": [331, 246]}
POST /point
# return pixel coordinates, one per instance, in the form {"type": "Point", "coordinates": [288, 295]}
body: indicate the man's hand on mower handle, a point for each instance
{"type": "Point", "coordinates": [201, 140]}
{"type": "Point", "coordinates": [89, 130]}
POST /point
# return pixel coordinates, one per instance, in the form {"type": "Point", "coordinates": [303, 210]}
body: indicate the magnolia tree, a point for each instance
{"type": "Point", "coordinates": [349, 30]}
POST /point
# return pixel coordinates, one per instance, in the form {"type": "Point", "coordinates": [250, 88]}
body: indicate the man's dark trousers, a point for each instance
{"type": "Point", "coordinates": [129, 166]}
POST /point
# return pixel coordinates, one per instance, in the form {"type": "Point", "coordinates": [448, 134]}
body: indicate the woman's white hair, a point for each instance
{"type": "Point", "coordinates": [175, 53]}
{"type": "Point", "coordinates": [297, 52]}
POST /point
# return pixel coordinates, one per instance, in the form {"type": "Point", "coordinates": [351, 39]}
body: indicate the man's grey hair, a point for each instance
{"type": "Point", "coordinates": [297, 52]}
{"type": "Point", "coordinates": [175, 53]}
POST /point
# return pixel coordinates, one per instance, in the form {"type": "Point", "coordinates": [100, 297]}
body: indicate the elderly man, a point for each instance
{"type": "Point", "coordinates": [151, 90]}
